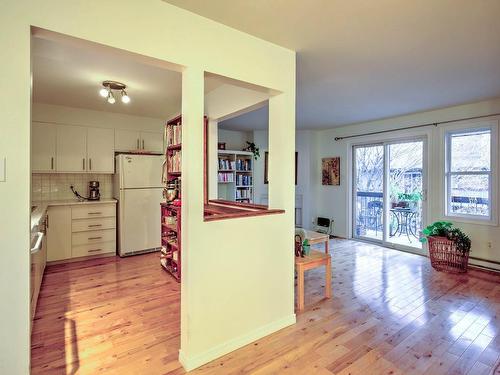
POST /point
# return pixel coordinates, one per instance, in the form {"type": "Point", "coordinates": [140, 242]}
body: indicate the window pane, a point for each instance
{"type": "Point", "coordinates": [470, 195]}
{"type": "Point", "coordinates": [470, 151]}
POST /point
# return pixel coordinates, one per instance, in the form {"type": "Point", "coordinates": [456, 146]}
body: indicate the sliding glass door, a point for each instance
{"type": "Point", "coordinates": [369, 192]}
{"type": "Point", "coordinates": [389, 192]}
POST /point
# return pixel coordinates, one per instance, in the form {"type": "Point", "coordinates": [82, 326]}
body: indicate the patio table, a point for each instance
{"type": "Point", "coordinates": [404, 217]}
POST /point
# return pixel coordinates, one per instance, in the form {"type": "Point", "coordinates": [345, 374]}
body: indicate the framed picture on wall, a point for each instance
{"type": "Point", "coordinates": [330, 171]}
{"type": "Point", "coordinates": [266, 156]}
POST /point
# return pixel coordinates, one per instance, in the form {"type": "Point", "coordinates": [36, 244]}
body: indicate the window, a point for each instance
{"type": "Point", "coordinates": [469, 173]}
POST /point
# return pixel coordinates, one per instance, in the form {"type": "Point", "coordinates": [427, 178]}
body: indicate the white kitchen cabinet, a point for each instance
{"type": "Point", "coordinates": [130, 140]}
{"type": "Point", "coordinates": [152, 142]}
{"type": "Point", "coordinates": [59, 233]}
{"type": "Point", "coordinates": [127, 140]}
{"type": "Point", "coordinates": [43, 147]}
{"type": "Point", "coordinates": [79, 230]}
{"type": "Point", "coordinates": [100, 150]}
{"type": "Point", "coordinates": [71, 149]}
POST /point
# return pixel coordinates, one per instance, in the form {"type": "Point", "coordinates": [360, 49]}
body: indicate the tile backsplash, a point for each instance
{"type": "Point", "coordinates": [56, 186]}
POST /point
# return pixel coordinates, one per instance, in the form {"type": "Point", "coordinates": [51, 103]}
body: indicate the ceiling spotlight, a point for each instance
{"type": "Point", "coordinates": [107, 91]}
{"type": "Point", "coordinates": [103, 92]}
{"type": "Point", "coordinates": [125, 97]}
{"type": "Point", "coordinates": [111, 98]}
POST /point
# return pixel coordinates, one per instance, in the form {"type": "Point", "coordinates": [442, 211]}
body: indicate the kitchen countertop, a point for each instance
{"type": "Point", "coordinates": [41, 208]}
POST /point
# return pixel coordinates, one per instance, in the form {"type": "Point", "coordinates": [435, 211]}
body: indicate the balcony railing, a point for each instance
{"type": "Point", "coordinates": [369, 214]}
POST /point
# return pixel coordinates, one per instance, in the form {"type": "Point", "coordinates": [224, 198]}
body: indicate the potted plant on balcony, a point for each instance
{"type": "Point", "coordinates": [409, 199]}
{"type": "Point", "coordinates": [449, 247]}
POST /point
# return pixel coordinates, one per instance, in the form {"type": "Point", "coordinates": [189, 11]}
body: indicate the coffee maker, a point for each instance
{"type": "Point", "coordinates": [94, 194]}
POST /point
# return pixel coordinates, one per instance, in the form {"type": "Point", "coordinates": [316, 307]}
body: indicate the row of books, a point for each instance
{"type": "Point", "coordinates": [243, 194]}
{"type": "Point", "coordinates": [244, 164]}
{"type": "Point", "coordinates": [226, 164]}
{"type": "Point", "coordinates": [225, 177]}
{"type": "Point", "coordinates": [174, 134]}
{"type": "Point", "coordinates": [174, 162]}
{"type": "Point", "coordinates": [243, 179]}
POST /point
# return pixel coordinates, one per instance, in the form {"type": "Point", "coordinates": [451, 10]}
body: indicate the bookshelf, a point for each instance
{"type": "Point", "coordinates": [235, 176]}
{"type": "Point", "coordinates": [170, 257]}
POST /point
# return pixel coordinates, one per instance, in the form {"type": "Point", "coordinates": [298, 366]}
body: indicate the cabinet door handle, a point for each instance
{"type": "Point", "coordinates": [95, 213]}
{"type": "Point", "coordinates": [83, 163]}
{"type": "Point", "coordinates": [95, 238]}
{"type": "Point", "coordinates": [137, 143]}
{"type": "Point", "coordinates": [94, 250]}
{"type": "Point", "coordinates": [95, 225]}
{"type": "Point", "coordinates": [90, 163]}
{"type": "Point", "coordinates": [52, 163]}
{"type": "Point", "coordinates": [143, 144]}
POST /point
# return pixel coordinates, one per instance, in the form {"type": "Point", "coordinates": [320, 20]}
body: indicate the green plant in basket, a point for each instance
{"type": "Point", "coordinates": [445, 229]}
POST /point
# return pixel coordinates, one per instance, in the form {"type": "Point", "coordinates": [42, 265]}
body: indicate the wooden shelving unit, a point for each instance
{"type": "Point", "coordinates": [170, 257]}
{"type": "Point", "coordinates": [235, 176]}
{"type": "Point", "coordinates": [171, 251]}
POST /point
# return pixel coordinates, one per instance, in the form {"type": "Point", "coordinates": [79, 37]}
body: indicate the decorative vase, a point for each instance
{"type": "Point", "coordinates": [306, 249]}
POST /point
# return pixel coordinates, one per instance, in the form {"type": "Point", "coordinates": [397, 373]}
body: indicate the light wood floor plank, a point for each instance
{"type": "Point", "coordinates": [390, 313]}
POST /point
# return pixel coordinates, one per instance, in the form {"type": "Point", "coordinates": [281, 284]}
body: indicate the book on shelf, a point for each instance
{"type": "Point", "coordinates": [243, 180]}
{"type": "Point", "coordinates": [243, 194]}
{"type": "Point", "coordinates": [174, 134]}
{"type": "Point", "coordinates": [174, 162]}
{"type": "Point", "coordinates": [226, 164]}
{"type": "Point", "coordinates": [225, 177]}
{"type": "Point", "coordinates": [244, 164]}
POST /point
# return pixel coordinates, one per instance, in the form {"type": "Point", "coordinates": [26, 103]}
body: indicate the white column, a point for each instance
{"type": "Point", "coordinates": [192, 185]}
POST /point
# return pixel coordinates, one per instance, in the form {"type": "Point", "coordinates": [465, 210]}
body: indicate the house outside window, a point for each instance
{"type": "Point", "coordinates": [471, 173]}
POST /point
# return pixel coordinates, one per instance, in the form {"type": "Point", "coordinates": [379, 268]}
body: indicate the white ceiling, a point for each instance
{"type": "Point", "coordinates": [70, 74]}
{"type": "Point", "coordinates": [254, 120]}
{"type": "Point", "coordinates": [363, 60]}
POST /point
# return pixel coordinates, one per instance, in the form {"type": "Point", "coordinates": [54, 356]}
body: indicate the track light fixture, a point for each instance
{"type": "Point", "coordinates": [107, 91]}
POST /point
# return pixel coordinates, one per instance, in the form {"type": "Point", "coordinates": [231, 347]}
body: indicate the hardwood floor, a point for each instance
{"type": "Point", "coordinates": [391, 313]}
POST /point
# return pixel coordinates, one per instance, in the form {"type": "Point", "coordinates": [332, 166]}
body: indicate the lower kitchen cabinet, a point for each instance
{"type": "Point", "coordinates": [81, 230]}
{"type": "Point", "coordinates": [59, 233]}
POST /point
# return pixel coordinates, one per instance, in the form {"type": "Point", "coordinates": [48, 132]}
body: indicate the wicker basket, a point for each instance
{"type": "Point", "coordinates": [445, 257]}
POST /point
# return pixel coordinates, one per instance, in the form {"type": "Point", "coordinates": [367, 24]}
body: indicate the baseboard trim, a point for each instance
{"type": "Point", "coordinates": [191, 363]}
{"type": "Point", "coordinates": [484, 264]}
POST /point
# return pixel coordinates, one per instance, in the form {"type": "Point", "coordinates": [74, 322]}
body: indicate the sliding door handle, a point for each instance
{"type": "Point", "coordinates": [83, 163]}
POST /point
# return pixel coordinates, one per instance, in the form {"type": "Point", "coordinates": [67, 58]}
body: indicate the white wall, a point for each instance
{"type": "Point", "coordinates": [333, 201]}
{"type": "Point", "coordinates": [87, 117]}
{"type": "Point", "coordinates": [304, 145]}
{"type": "Point", "coordinates": [234, 139]}
{"type": "Point", "coordinates": [225, 304]}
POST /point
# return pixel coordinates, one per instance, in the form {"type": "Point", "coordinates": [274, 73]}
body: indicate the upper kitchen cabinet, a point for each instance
{"type": "Point", "coordinates": [71, 149]}
{"type": "Point", "coordinates": [127, 140]}
{"type": "Point", "coordinates": [43, 152]}
{"type": "Point", "coordinates": [100, 150]}
{"type": "Point", "coordinates": [81, 149]}
{"type": "Point", "coordinates": [130, 140]}
{"type": "Point", "coordinates": [152, 142]}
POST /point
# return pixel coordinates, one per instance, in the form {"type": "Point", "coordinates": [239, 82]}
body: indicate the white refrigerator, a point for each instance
{"type": "Point", "coordinates": [138, 188]}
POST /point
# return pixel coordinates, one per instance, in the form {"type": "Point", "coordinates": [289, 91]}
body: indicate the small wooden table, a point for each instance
{"type": "Point", "coordinates": [316, 237]}
{"type": "Point", "coordinates": [313, 260]}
